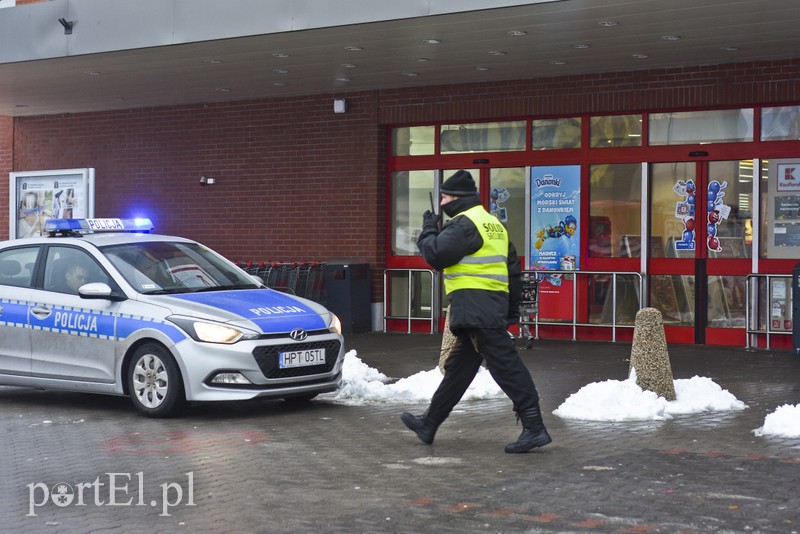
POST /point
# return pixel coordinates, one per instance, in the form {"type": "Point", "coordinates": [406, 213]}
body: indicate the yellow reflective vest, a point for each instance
{"type": "Point", "coordinates": [487, 268]}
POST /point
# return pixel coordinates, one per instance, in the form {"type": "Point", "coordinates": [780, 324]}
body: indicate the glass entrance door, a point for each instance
{"type": "Point", "coordinates": [699, 248]}
{"type": "Point", "coordinates": [506, 201]}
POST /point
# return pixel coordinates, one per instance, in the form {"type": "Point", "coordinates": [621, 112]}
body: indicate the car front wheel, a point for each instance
{"type": "Point", "coordinates": [154, 382]}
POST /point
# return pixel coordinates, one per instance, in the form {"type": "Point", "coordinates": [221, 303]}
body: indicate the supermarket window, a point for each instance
{"type": "Point", "coordinates": [614, 131]}
{"type": "Point", "coordinates": [413, 141]}
{"type": "Point", "coordinates": [482, 137]}
{"type": "Point", "coordinates": [710, 126]}
{"type": "Point", "coordinates": [780, 123]}
{"type": "Point", "coordinates": [615, 202]}
{"type": "Point", "coordinates": [411, 197]}
{"type": "Point", "coordinates": [550, 134]}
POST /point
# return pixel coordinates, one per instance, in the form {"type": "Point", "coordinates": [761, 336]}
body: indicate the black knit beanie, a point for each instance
{"type": "Point", "coordinates": [460, 184]}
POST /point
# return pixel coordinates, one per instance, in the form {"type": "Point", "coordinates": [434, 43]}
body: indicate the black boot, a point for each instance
{"type": "Point", "coordinates": [422, 425]}
{"type": "Point", "coordinates": [534, 434]}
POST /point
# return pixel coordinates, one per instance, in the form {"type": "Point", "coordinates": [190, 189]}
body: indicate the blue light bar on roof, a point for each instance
{"type": "Point", "coordinates": [98, 225]}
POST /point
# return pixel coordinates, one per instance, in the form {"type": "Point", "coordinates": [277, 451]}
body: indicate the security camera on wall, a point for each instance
{"type": "Point", "coordinates": [205, 180]}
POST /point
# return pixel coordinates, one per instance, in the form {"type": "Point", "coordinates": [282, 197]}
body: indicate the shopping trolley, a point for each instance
{"type": "Point", "coordinates": [528, 306]}
{"type": "Point", "coordinates": [283, 277]}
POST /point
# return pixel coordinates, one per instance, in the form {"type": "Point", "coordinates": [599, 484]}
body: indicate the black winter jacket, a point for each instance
{"type": "Point", "coordinates": [470, 308]}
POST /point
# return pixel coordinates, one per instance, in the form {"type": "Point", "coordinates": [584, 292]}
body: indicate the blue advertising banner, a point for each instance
{"type": "Point", "coordinates": [555, 217]}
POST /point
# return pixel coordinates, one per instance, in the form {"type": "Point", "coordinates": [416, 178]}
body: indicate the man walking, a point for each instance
{"type": "Point", "coordinates": [482, 280]}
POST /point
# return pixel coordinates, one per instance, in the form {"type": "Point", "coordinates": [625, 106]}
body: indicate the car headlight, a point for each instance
{"type": "Point", "coordinates": [335, 325]}
{"type": "Point", "coordinates": [210, 332]}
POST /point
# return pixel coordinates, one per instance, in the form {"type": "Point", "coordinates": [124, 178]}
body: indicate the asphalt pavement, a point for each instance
{"type": "Point", "coordinates": [75, 462]}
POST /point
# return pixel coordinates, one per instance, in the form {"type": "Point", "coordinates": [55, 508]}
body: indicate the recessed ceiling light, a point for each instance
{"type": "Point", "coordinates": [278, 84]}
{"type": "Point", "coordinates": [348, 66]}
{"type": "Point", "coordinates": [92, 73]}
{"type": "Point", "coordinates": [639, 56]}
{"type": "Point", "coordinates": [480, 68]}
{"type": "Point", "coordinates": [22, 106]}
{"type": "Point", "coordinates": [608, 23]}
{"type": "Point", "coordinates": [213, 61]}
{"type": "Point", "coordinates": [342, 79]}
{"type": "Point", "coordinates": [411, 74]}
{"type": "Point", "coordinates": [119, 99]}
{"type": "Point", "coordinates": [671, 37]}
{"type": "Point", "coordinates": [517, 33]}
{"type": "Point", "coordinates": [423, 59]}
{"type": "Point", "coordinates": [497, 53]}
{"type": "Point", "coordinates": [580, 46]}
{"type": "Point", "coordinates": [280, 71]}
{"type": "Point", "coordinates": [223, 89]}
{"type": "Point", "coordinates": [353, 48]}
{"type": "Point", "coordinates": [729, 48]}
{"type": "Point", "coordinates": [432, 41]}
{"type": "Point", "coordinates": [280, 54]}
{"type": "Point", "coordinates": [557, 62]}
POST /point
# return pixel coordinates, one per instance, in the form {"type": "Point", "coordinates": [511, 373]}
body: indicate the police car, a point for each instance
{"type": "Point", "coordinates": [104, 306]}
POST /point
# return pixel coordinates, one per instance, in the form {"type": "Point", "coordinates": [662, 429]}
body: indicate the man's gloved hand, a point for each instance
{"type": "Point", "coordinates": [430, 221]}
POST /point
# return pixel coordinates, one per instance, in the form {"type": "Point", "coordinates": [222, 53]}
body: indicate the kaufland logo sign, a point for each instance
{"type": "Point", "coordinates": [789, 177]}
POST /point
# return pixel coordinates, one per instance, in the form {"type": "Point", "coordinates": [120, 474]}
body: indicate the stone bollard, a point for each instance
{"type": "Point", "coordinates": [649, 355]}
{"type": "Point", "coordinates": [448, 340]}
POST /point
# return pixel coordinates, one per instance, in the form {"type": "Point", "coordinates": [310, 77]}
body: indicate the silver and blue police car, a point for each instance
{"type": "Point", "coordinates": [104, 306]}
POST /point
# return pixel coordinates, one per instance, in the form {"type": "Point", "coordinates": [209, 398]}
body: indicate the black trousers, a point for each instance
{"type": "Point", "coordinates": [503, 362]}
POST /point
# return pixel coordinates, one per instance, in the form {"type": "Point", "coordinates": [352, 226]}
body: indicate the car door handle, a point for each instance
{"type": "Point", "coordinates": [41, 312]}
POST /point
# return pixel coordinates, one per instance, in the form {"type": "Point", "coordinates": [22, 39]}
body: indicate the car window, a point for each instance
{"type": "Point", "coordinates": [68, 268]}
{"type": "Point", "coordinates": [16, 266]}
{"type": "Point", "coordinates": [165, 267]}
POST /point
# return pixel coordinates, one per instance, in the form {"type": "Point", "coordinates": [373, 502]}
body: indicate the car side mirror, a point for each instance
{"type": "Point", "coordinates": [258, 280]}
{"type": "Point", "coordinates": [99, 290]}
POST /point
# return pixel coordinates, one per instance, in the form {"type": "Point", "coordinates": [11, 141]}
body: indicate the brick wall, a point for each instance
{"type": "Point", "coordinates": [695, 87]}
{"type": "Point", "coordinates": [294, 182]}
{"type": "Point", "coordinates": [6, 166]}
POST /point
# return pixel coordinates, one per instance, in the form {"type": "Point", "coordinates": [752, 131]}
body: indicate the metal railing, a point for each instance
{"type": "Point", "coordinates": [752, 300]}
{"type": "Point", "coordinates": [409, 317]}
{"type": "Point", "coordinates": [574, 321]}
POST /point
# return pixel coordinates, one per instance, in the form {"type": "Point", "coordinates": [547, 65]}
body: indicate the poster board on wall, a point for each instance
{"type": "Point", "coordinates": [783, 209]}
{"type": "Point", "coordinates": [36, 196]}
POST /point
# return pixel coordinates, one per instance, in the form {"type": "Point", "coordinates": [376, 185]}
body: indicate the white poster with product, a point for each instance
{"type": "Point", "coordinates": [36, 196]}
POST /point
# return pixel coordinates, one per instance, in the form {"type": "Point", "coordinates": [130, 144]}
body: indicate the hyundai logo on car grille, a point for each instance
{"type": "Point", "coordinates": [298, 334]}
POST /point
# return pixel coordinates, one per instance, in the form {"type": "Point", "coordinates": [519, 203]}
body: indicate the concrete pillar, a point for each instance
{"type": "Point", "coordinates": [649, 355]}
{"type": "Point", "coordinates": [448, 340]}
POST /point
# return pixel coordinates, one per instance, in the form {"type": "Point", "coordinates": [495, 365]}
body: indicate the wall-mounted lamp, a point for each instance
{"type": "Point", "coordinates": [339, 105]}
{"type": "Point", "coordinates": [68, 24]}
{"type": "Point", "coordinates": [206, 180]}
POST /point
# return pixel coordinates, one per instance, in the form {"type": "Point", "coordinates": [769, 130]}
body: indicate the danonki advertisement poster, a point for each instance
{"type": "Point", "coordinates": [555, 217]}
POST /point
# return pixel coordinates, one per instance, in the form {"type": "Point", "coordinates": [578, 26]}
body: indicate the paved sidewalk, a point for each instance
{"type": "Point", "coordinates": [274, 467]}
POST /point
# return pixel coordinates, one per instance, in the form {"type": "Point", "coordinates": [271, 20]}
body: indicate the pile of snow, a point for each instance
{"type": "Point", "coordinates": [363, 385]}
{"type": "Point", "coordinates": [611, 400]}
{"type": "Point", "coordinates": [623, 400]}
{"type": "Point", "coordinates": [784, 422]}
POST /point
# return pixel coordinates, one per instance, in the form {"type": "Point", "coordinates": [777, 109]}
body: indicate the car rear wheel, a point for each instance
{"type": "Point", "coordinates": [154, 382]}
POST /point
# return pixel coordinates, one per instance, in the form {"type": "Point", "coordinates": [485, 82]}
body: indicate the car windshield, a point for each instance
{"type": "Point", "coordinates": [173, 267]}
